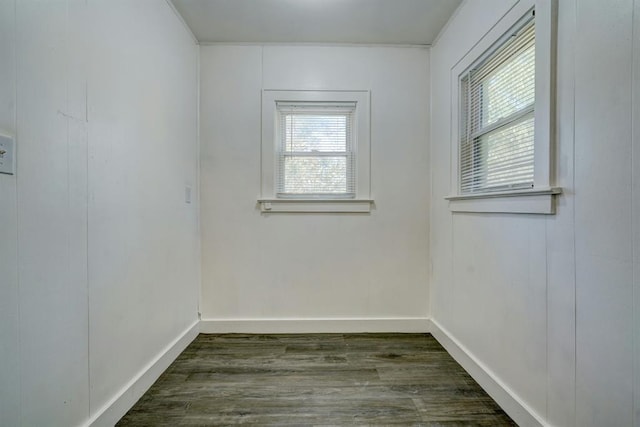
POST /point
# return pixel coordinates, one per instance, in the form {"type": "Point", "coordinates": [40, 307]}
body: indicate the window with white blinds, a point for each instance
{"type": "Point", "coordinates": [497, 117]}
{"type": "Point", "coordinates": [315, 150]}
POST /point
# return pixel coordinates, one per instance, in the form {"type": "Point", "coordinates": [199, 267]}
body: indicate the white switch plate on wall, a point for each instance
{"type": "Point", "coordinates": [7, 155]}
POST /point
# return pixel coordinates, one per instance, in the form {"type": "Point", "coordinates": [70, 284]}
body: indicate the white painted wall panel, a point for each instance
{"type": "Point", "coordinates": [314, 266]}
{"type": "Point", "coordinates": [604, 297]}
{"type": "Point", "coordinates": [9, 291]}
{"type": "Point", "coordinates": [230, 85]}
{"type": "Point", "coordinates": [143, 251]}
{"type": "Point", "coordinates": [499, 275]}
{"type": "Point", "coordinates": [53, 358]}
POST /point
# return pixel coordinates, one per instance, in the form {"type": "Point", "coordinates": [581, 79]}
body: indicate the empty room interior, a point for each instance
{"type": "Point", "coordinates": [355, 193]}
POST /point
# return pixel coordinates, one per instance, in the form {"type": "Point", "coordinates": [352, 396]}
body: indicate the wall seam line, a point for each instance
{"type": "Point", "coordinates": [87, 209]}
{"type": "Point", "coordinates": [17, 235]}
{"type": "Point", "coordinates": [575, 255]}
{"type": "Point", "coordinates": [634, 296]}
{"type": "Point", "coordinates": [261, 160]}
{"type": "Point", "coordinates": [198, 181]}
{"type": "Point", "coordinates": [65, 117]}
{"type": "Point", "coordinates": [546, 307]}
{"type": "Point", "coordinates": [430, 197]}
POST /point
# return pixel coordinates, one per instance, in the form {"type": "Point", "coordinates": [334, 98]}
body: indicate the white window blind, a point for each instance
{"type": "Point", "coordinates": [315, 155]}
{"type": "Point", "coordinates": [497, 117]}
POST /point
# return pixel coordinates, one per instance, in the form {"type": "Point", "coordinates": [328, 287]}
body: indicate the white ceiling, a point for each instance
{"type": "Point", "coordinates": [316, 21]}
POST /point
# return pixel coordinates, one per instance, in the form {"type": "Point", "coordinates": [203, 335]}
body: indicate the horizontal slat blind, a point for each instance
{"type": "Point", "coordinates": [497, 117]}
{"type": "Point", "coordinates": [315, 154]}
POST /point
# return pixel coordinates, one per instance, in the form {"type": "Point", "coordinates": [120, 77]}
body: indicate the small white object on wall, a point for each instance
{"type": "Point", "coordinates": [7, 151]}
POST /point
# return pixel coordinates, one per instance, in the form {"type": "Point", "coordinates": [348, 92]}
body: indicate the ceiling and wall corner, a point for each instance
{"type": "Point", "coordinates": [397, 22]}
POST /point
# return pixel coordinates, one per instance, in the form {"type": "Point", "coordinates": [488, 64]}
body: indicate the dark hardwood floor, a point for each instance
{"type": "Point", "coordinates": [315, 379]}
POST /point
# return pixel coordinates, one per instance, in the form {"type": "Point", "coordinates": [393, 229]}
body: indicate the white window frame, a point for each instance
{"type": "Point", "coordinates": [343, 109]}
{"type": "Point", "coordinates": [269, 200]}
{"type": "Point", "coordinates": [541, 198]}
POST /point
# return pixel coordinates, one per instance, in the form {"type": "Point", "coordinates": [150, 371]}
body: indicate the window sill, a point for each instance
{"type": "Point", "coordinates": [315, 205]}
{"type": "Point", "coordinates": [538, 201]}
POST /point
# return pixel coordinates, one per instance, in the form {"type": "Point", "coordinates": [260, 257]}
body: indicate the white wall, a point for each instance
{"type": "Point", "coordinates": [98, 251]}
{"type": "Point", "coordinates": [143, 237]}
{"type": "Point", "coordinates": [9, 292]}
{"type": "Point", "coordinates": [314, 267]}
{"type": "Point", "coordinates": [546, 303]}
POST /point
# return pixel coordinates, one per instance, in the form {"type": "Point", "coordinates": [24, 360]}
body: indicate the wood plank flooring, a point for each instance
{"type": "Point", "coordinates": [315, 380]}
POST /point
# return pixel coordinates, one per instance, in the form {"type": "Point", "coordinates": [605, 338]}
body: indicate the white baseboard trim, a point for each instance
{"type": "Point", "coordinates": [515, 407]}
{"type": "Point", "coordinates": [308, 326]}
{"type": "Point", "coordinates": [110, 413]}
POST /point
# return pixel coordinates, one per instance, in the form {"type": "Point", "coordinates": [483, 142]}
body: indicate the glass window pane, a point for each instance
{"type": "Point", "coordinates": [510, 88]}
{"type": "Point", "coordinates": [309, 133]}
{"type": "Point", "coordinates": [315, 175]}
{"type": "Point", "coordinates": [509, 155]}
